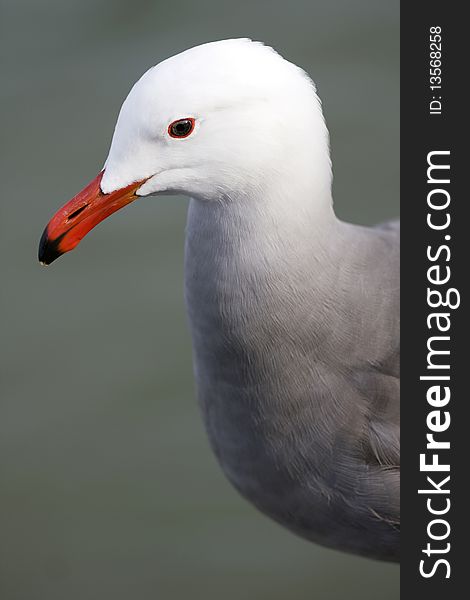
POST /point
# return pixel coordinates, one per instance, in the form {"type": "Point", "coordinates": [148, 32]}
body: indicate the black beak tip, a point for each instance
{"type": "Point", "coordinates": [48, 249]}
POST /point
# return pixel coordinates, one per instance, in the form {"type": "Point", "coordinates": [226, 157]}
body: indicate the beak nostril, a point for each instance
{"type": "Point", "coordinates": [76, 212]}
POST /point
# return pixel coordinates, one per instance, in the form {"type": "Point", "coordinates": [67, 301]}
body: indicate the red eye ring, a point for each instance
{"type": "Point", "coordinates": [181, 128]}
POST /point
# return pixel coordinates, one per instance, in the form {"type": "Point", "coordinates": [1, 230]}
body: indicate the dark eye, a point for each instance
{"type": "Point", "coordinates": [181, 128]}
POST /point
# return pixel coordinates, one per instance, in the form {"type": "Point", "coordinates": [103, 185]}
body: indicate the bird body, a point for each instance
{"type": "Point", "coordinates": [296, 364]}
{"type": "Point", "coordinates": [294, 315]}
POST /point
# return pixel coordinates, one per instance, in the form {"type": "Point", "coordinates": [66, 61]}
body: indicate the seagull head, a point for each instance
{"type": "Point", "coordinates": [222, 121]}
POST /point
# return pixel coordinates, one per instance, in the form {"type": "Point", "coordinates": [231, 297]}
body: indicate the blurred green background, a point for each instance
{"type": "Point", "coordinates": [108, 487]}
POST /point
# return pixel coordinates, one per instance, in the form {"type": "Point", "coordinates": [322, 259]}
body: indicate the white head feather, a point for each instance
{"type": "Point", "coordinates": [258, 124]}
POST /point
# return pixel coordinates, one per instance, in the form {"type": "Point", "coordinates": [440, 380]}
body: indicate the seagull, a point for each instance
{"type": "Point", "coordinates": [293, 313]}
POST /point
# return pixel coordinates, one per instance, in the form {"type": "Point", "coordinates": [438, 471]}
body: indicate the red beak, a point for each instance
{"type": "Point", "coordinates": [75, 219]}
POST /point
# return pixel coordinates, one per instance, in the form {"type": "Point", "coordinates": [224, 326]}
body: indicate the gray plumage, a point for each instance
{"type": "Point", "coordinates": [296, 343]}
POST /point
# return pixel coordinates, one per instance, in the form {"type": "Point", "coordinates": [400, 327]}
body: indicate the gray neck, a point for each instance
{"type": "Point", "coordinates": [248, 262]}
{"type": "Point", "coordinates": [261, 288]}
